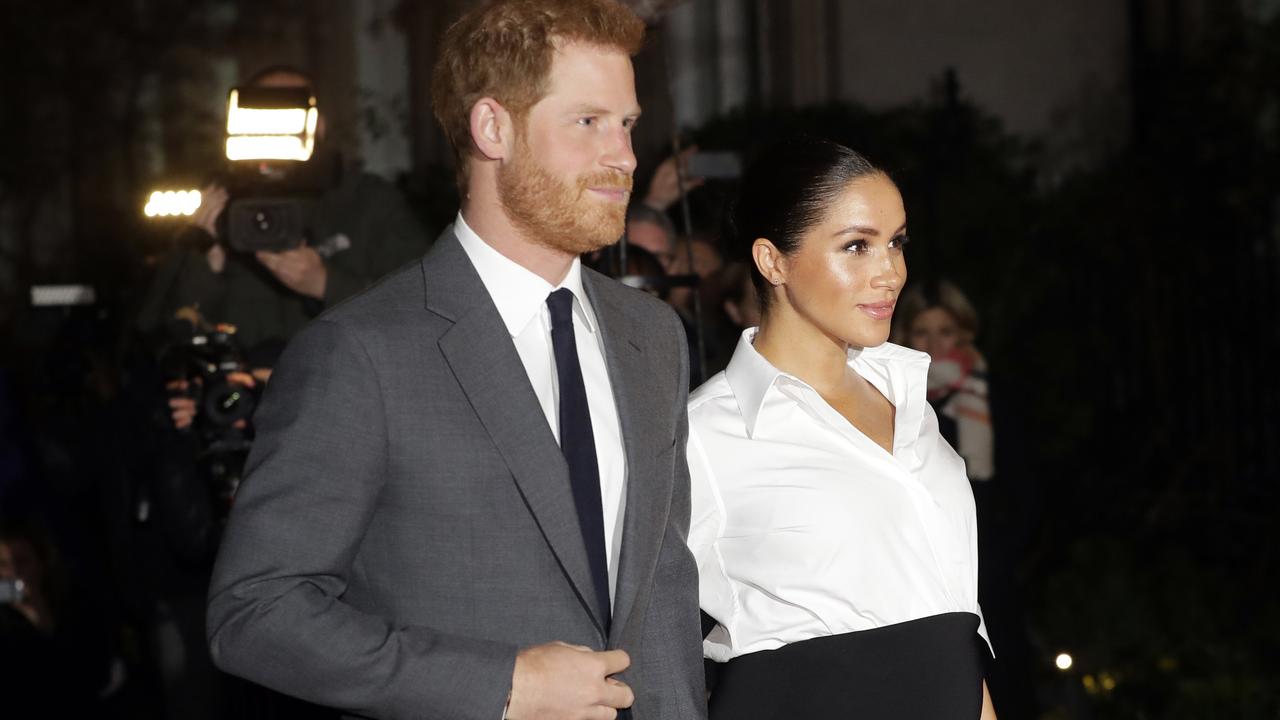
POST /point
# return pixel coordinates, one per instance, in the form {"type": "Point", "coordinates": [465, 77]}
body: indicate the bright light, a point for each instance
{"type": "Point", "coordinates": [264, 121]}
{"type": "Point", "coordinates": [170, 203]}
{"type": "Point", "coordinates": [1063, 661]}
{"type": "Point", "coordinates": [270, 133]}
{"type": "Point", "coordinates": [268, 147]}
{"type": "Point", "coordinates": [62, 295]}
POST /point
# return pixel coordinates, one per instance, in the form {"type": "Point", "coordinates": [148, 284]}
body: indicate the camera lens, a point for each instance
{"type": "Point", "coordinates": [226, 402]}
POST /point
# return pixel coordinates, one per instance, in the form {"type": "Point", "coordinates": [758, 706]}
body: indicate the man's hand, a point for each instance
{"type": "Point", "coordinates": [213, 200]}
{"type": "Point", "coordinates": [181, 407]}
{"type": "Point", "coordinates": [664, 188]}
{"type": "Point", "coordinates": [558, 681]}
{"type": "Point", "coordinates": [300, 269]}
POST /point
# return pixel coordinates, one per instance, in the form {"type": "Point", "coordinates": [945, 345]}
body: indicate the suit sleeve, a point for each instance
{"type": "Point", "coordinates": [276, 612]}
{"type": "Point", "coordinates": [673, 624]}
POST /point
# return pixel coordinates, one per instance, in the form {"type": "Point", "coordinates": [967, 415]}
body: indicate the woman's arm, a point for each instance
{"type": "Point", "coordinates": [988, 710]}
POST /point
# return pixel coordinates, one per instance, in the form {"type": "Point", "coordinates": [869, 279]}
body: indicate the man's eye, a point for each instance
{"type": "Point", "coordinates": [586, 121]}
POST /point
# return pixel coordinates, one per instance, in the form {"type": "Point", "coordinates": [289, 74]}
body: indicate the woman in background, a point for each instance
{"type": "Point", "coordinates": [937, 318]}
{"type": "Point", "coordinates": [833, 526]}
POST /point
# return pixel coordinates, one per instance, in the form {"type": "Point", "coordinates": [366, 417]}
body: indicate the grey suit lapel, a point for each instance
{"type": "Point", "coordinates": [648, 492]}
{"type": "Point", "coordinates": [480, 353]}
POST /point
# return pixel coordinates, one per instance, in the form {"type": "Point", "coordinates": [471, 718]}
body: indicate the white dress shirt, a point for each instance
{"type": "Point", "coordinates": [521, 298]}
{"type": "Point", "coordinates": [804, 527]}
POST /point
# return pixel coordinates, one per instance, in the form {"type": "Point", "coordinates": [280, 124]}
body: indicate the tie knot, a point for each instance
{"type": "Point", "coordinates": [560, 303]}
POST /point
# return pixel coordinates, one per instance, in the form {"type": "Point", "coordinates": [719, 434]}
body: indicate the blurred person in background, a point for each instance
{"type": "Point", "coordinates": [360, 229]}
{"type": "Point", "coordinates": [936, 317]}
{"type": "Point", "coordinates": [54, 662]}
{"type": "Point", "coordinates": [357, 229]}
{"type": "Point", "coordinates": [740, 303]}
{"type": "Point", "coordinates": [652, 231]}
{"type": "Point", "coordinates": [703, 315]}
{"type": "Point", "coordinates": [665, 187]}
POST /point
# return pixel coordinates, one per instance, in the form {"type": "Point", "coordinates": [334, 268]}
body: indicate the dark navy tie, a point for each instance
{"type": "Point", "coordinates": [578, 444]}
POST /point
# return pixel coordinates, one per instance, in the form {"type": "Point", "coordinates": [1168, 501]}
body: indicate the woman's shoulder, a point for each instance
{"type": "Point", "coordinates": [893, 354]}
{"type": "Point", "coordinates": [716, 388]}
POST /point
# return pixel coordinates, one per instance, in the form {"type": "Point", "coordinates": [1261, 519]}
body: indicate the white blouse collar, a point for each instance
{"type": "Point", "coordinates": [899, 374]}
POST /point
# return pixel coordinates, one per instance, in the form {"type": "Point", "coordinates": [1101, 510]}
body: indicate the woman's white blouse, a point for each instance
{"type": "Point", "coordinates": [804, 527]}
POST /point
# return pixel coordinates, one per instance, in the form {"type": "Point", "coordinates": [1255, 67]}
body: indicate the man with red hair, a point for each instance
{"type": "Point", "coordinates": [468, 496]}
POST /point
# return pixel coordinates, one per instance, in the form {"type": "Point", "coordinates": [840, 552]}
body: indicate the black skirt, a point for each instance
{"type": "Point", "coordinates": [926, 669]}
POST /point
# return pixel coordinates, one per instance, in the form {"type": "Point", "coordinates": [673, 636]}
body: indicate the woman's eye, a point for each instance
{"type": "Point", "coordinates": [900, 240]}
{"type": "Point", "coordinates": [857, 247]}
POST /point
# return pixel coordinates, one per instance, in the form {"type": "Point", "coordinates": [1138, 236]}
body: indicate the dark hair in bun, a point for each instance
{"type": "Point", "coordinates": [787, 190]}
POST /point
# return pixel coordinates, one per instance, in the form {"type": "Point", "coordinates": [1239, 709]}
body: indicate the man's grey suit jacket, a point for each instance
{"type": "Point", "coordinates": [406, 522]}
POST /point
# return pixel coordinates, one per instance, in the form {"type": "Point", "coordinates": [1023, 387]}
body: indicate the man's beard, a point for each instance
{"type": "Point", "coordinates": [557, 214]}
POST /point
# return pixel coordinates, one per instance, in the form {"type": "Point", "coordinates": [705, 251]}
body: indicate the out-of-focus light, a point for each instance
{"type": "Point", "coordinates": [271, 133]}
{"type": "Point", "coordinates": [268, 147]}
{"type": "Point", "coordinates": [62, 295]}
{"type": "Point", "coordinates": [1090, 684]}
{"type": "Point", "coordinates": [1108, 682]}
{"type": "Point", "coordinates": [264, 121]}
{"type": "Point", "coordinates": [1063, 661]}
{"type": "Point", "coordinates": [170, 203]}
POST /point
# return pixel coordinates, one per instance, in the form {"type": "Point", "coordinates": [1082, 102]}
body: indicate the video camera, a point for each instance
{"type": "Point", "coordinates": [274, 176]}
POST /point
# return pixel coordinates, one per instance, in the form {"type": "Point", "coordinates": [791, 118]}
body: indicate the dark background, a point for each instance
{"type": "Point", "coordinates": [1100, 177]}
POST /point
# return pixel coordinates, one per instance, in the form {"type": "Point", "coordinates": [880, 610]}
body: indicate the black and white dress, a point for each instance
{"type": "Point", "coordinates": [843, 578]}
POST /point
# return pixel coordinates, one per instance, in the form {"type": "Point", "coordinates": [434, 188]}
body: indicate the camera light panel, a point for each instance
{"type": "Point", "coordinates": [270, 133]}
{"type": "Point", "coordinates": [172, 203]}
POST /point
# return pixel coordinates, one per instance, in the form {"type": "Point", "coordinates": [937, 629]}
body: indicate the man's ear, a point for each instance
{"type": "Point", "coordinates": [491, 129]}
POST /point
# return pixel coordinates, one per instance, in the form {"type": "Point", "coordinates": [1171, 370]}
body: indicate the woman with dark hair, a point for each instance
{"type": "Point", "coordinates": [833, 526]}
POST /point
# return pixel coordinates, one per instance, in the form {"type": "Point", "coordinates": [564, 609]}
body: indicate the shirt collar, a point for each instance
{"type": "Point", "coordinates": [518, 293]}
{"type": "Point", "coordinates": [750, 376]}
{"type": "Point", "coordinates": [898, 373]}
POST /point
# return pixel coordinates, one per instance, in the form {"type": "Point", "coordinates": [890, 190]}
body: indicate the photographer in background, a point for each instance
{"type": "Point", "coordinates": [218, 312]}
{"type": "Point", "coordinates": [359, 229]}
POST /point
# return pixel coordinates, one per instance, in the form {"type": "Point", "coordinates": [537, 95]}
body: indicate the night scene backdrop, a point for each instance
{"type": "Point", "coordinates": [1099, 176]}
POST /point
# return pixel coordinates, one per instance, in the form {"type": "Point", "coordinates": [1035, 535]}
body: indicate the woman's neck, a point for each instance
{"type": "Point", "coordinates": [795, 346]}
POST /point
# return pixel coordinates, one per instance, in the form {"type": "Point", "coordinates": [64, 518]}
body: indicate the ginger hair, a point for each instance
{"type": "Point", "coordinates": [504, 50]}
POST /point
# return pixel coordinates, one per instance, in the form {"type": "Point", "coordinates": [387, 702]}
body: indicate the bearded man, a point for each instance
{"type": "Point", "coordinates": [468, 497]}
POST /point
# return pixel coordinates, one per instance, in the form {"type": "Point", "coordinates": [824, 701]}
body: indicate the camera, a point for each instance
{"type": "Point", "coordinates": [208, 359]}
{"type": "Point", "coordinates": [272, 224]}
{"type": "Point", "coordinates": [275, 176]}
